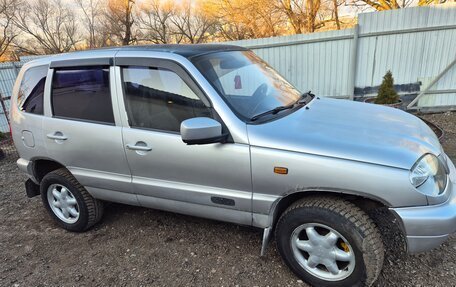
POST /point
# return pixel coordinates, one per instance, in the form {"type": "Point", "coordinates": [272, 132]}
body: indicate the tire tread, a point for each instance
{"type": "Point", "coordinates": [94, 207]}
{"type": "Point", "coordinates": [374, 255]}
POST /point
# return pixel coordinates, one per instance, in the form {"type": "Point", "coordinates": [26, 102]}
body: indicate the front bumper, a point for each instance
{"type": "Point", "coordinates": [426, 227]}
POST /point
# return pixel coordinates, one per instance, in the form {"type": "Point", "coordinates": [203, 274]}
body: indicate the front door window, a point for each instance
{"type": "Point", "coordinates": [157, 98]}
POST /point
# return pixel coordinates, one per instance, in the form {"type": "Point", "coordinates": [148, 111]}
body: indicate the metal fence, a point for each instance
{"type": "Point", "coordinates": [417, 44]}
{"type": "Point", "coordinates": [6, 147]}
{"type": "Point", "coordinates": [6, 144]}
{"type": "Point", "coordinates": [8, 77]}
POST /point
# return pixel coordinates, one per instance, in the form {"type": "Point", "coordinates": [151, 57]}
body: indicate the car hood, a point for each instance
{"type": "Point", "coordinates": [349, 130]}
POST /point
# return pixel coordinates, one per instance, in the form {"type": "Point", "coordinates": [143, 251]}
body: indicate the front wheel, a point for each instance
{"type": "Point", "coordinates": [328, 241]}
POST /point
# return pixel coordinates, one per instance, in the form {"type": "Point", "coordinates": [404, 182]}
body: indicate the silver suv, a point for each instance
{"type": "Point", "coordinates": [213, 131]}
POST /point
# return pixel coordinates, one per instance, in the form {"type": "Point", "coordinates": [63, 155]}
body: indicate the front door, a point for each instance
{"type": "Point", "coordinates": [210, 180]}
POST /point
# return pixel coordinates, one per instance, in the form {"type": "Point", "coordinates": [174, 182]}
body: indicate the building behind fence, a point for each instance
{"type": "Point", "coordinates": [417, 44]}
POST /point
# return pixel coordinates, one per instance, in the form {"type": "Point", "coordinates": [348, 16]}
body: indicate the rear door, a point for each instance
{"type": "Point", "coordinates": [81, 132]}
{"type": "Point", "coordinates": [210, 180]}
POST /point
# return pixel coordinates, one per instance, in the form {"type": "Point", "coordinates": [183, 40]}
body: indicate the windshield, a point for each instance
{"type": "Point", "coordinates": [246, 82]}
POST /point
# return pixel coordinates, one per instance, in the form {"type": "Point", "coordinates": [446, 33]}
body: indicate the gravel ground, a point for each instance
{"type": "Point", "coordinates": [447, 122]}
{"type": "Point", "coordinates": [135, 246]}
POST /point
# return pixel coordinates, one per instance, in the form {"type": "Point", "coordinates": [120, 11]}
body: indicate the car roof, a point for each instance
{"type": "Point", "coordinates": [185, 50]}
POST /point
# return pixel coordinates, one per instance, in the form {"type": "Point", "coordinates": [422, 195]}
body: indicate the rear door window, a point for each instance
{"type": "Point", "coordinates": [31, 91]}
{"type": "Point", "coordinates": [82, 93]}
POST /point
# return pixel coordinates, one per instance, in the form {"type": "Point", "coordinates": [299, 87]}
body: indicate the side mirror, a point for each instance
{"type": "Point", "coordinates": [201, 131]}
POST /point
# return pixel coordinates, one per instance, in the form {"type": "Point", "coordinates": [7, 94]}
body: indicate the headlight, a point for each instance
{"type": "Point", "coordinates": [429, 175]}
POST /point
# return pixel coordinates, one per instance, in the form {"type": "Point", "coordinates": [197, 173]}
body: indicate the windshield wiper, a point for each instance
{"type": "Point", "coordinates": [302, 100]}
{"type": "Point", "coordinates": [272, 112]}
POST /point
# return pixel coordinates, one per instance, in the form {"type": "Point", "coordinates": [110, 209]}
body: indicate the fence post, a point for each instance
{"type": "Point", "coordinates": [353, 63]}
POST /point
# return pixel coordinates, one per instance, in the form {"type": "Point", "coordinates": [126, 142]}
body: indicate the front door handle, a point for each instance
{"type": "Point", "coordinates": [139, 147]}
{"type": "Point", "coordinates": [57, 136]}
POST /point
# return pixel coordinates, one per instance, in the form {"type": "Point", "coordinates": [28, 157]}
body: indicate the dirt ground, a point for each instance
{"type": "Point", "coordinates": [142, 247]}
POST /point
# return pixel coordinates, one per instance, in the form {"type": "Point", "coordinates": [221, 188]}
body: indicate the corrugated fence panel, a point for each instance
{"type": "Point", "coordinates": [416, 44]}
{"type": "Point", "coordinates": [436, 59]}
{"type": "Point", "coordinates": [401, 53]}
{"type": "Point", "coordinates": [307, 59]}
{"type": "Point", "coordinates": [438, 56]}
{"type": "Point", "coordinates": [7, 79]}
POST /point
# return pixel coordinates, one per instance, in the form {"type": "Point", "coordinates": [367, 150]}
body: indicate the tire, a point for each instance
{"type": "Point", "coordinates": [75, 201]}
{"type": "Point", "coordinates": [358, 242]}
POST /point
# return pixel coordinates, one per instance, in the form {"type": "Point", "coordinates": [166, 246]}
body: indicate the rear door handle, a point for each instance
{"type": "Point", "coordinates": [139, 147]}
{"type": "Point", "coordinates": [57, 136]}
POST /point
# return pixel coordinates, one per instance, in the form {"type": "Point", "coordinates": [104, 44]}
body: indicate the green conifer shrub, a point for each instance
{"type": "Point", "coordinates": [386, 93]}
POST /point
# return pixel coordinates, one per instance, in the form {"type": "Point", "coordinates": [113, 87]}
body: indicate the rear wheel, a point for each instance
{"type": "Point", "coordinates": [327, 241]}
{"type": "Point", "coordinates": [68, 202]}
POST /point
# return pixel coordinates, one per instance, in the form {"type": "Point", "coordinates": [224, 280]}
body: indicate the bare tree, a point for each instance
{"type": "Point", "coordinates": [429, 2]}
{"type": "Point", "coordinates": [7, 31]}
{"type": "Point", "coordinates": [382, 5]}
{"type": "Point", "coordinates": [92, 13]}
{"type": "Point", "coordinates": [49, 27]}
{"type": "Point", "coordinates": [154, 19]}
{"type": "Point", "coordinates": [192, 26]}
{"type": "Point", "coordinates": [229, 22]}
{"type": "Point", "coordinates": [329, 12]}
{"type": "Point", "coordinates": [336, 13]}
{"type": "Point", "coordinates": [302, 14]}
{"type": "Point", "coordinates": [119, 21]}
{"type": "Point", "coordinates": [245, 19]}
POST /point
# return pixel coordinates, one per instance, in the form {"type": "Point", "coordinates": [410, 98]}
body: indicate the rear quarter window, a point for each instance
{"type": "Point", "coordinates": [31, 90]}
{"type": "Point", "coordinates": [82, 93]}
